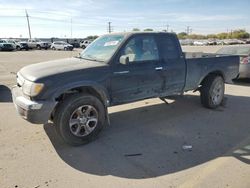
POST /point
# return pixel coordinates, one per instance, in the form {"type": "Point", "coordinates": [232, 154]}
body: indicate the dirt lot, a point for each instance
{"type": "Point", "coordinates": [150, 130]}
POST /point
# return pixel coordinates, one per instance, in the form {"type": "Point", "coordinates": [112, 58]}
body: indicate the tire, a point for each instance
{"type": "Point", "coordinates": [83, 46]}
{"type": "Point", "coordinates": [38, 47]}
{"type": "Point", "coordinates": [65, 49]}
{"type": "Point", "coordinates": [18, 48]}
{"type": "Point", "coordinates": [212, 91]}
{"type": "Point", "coordinates": [53, 48]}
{"type": "Point", "coordinates": [87, 116]}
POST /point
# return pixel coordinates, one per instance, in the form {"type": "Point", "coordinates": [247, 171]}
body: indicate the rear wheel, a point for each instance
{"type": "Point", "coordinates": [65, 48]}
{"type": "Point", "coordinates": [53, 48]}
{"type": "Point", "coordinates": [38, 47]}
{"type": "Point", "coordinates": [212, 91]}
{"type": "Point", "coordinates": [79, 119]}
{"type": "Point", "coordinates": [18, 48]}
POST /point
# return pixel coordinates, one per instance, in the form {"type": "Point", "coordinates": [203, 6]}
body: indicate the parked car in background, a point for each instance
{"type": "Point", "coordinates": [17, 44]}
{"type": "Point", "coordinates": [22, 45]}
{"type": "Point", "coordinates": [200, 42]}
{"type": "Point", "coordinates": [184, 42]}
{"type": "Point", "coordinates": [233, 41]}
{"type": "Point", "coordinates": [85, 43]}
{"type": "Point", "coordinates": [11, 41]}
{"type": "Point", "coordinates": [247, 41]}
{"type": "Point", "coordinates": [37, 44]}
{"type": "Point", "coordinates": [219, 42]}
{"type": "Point", "coordinates": [212, 42]}
{"type": "Point", "coordinates": [74, 42]}
{"type": "Point", "coordinates": [5, 46]}
{"type": "Point", "coordinates": [61, 45]}
{"type": "Point", "coordinates": [244, 52]}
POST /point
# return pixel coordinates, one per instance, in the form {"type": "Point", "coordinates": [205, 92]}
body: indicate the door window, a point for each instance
{"type": "Point", "coordinates": [140, 49]}
{"type": "Point", "coordinates": [169, 48]}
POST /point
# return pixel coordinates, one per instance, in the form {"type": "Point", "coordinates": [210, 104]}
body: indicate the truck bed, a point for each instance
{"type": "Point", "coordinates": [200, 64]}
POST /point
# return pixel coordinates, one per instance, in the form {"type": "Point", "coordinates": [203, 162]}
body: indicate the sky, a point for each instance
{"type": "Point", "coordinates": [81, 18]}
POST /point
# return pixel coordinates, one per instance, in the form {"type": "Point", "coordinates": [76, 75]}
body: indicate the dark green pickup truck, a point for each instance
{"type": "Point", "coordinates": [115, 69]}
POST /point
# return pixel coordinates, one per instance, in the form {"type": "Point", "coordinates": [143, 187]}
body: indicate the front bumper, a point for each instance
{"type": "Point", "coordinates": [37, 112]}
{"type": "Point", "coordinates": [244, 71]}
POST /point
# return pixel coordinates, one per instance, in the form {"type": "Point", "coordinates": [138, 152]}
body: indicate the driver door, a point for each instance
{"type": "Point", "coordinates": [139, 76]}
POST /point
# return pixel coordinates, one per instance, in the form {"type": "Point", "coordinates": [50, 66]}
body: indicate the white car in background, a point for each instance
{"type": "Point", "coordinates": [10, 41]}
{"type": "Point", "coordinates": [85, 43]}
{"type": "Point", "coordinates": [61, 45]}
{"type": "Point", "coordinates": [200, 42]}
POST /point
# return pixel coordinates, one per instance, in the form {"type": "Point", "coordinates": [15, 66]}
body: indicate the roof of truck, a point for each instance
{"type": "Point", "coordinates": [139, 32]}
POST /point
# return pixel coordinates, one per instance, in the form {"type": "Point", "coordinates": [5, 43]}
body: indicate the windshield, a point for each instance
{"type": "Point", "coordinates": [235, 50]}
{"type": "Point", "coordinates": [102, 48]}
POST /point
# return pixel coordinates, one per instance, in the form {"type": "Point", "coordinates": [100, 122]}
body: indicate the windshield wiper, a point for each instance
{"type": "Point", "coordinates": [91, 58]}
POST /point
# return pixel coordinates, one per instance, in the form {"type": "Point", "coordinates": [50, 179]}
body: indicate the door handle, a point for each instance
{"type": "Point", "coordinates": [122, 72]}
{"type": "Point", "coordinates": [158, 68]}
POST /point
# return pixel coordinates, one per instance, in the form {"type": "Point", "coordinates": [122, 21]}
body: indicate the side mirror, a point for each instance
{"type": "Point", "coordinates": [124, 59]}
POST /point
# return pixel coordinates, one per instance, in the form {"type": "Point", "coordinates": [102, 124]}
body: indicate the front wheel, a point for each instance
{"type": "Point", "coordinates": [212, 91]}
{"type": "Point", "coordinates": [79, 119]}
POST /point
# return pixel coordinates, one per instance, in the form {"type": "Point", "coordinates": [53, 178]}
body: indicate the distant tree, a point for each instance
{"type": "Point", "coordinates": [222, 35]}
{"type": "Point", "coordinates": [148, 29]}
{"type": "Point", "coordinates": [196, 36]}
{"type": "Point", "coordinates": [182, 35]}
{"type": "Point", "coordinates": [92, 37]}
{"type": "Point", "coordinates": [136, 29]}
{"type": "Point", "coordinates": [239, 34]}
{"type": "Point", "coordinates": [212, 36]}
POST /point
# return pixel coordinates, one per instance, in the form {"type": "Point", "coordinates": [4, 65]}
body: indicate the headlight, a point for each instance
{"type": "Point", "coordinates": [32, 89]}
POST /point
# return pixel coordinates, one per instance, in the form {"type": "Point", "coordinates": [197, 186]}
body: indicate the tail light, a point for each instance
{"type": "Point", "coordinates": [245, 60]}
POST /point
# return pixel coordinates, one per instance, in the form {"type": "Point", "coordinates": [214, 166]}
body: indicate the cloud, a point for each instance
{"type": "Point", "coordinates": [92, 16]}
{"type": "Point", "coordinates": [199, 17]}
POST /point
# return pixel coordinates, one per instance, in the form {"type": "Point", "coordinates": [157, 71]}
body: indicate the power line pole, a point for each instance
{"type": "Point", "coordinates": [167, 27]}
{"type": "Point", "coordinates": [188, 30]}
{"type": "Point", "coordinates": [109, 27]}
{"type": "Point", "coordinates": [71, 27]}
{"type": "Point", "coordinates": [27, 16]}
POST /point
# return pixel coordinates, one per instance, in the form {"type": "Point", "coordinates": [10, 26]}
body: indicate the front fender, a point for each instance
{"type": "Point", "coordinates": [100, 89]}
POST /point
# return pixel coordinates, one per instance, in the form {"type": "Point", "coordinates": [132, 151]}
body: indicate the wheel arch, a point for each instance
{"type": "Point", "coordinates": [96, 91]}
{"type": "Point", "coordinates": [216, 73]}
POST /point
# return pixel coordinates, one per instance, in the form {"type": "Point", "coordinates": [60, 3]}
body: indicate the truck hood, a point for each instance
{"type": "Point", "coordinates": [40, 70]}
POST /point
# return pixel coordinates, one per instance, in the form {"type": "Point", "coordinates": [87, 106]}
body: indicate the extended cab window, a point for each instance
{"type": "Point", "coordinates": [141, 49]}
{"type": "Point", "coordinates": [169, 49]}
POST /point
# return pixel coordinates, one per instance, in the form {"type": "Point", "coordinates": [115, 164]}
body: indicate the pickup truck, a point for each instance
{"type": "Point", "coordinates": [37, 44]}
{"type": "Point", "coordinates": [74, 93]}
